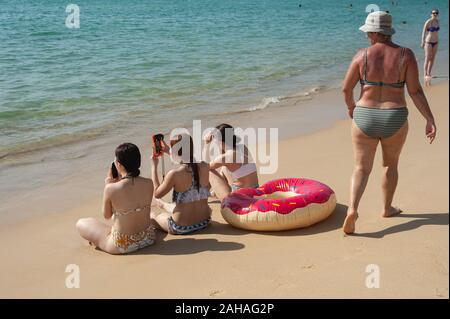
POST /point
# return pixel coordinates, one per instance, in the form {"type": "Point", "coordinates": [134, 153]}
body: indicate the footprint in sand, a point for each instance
{"type": "Point", "coordinates": [311, 266]}
{"type": "Point", "coordinates": [441, 293]}
{"type": "Point", "coordinates": [215, 293]}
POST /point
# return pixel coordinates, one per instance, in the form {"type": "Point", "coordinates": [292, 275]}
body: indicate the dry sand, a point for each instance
{"type": "Point", "coordinates": [411, 250]}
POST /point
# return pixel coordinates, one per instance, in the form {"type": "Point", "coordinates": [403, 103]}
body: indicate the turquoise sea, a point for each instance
{"type": "Point", "coordinates": [162, 63]}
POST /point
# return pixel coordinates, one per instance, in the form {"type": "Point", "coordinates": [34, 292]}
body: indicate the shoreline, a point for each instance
{"type": "Point", "coordinates": [411, 250]}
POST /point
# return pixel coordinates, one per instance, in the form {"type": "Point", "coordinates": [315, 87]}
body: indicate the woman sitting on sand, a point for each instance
{"type": "Point", "coordinates": [380, 115]}
{"type": "Point", "coordinates": [127, 200]}
{"type": "Point", "coordinates": [430, 39]}
{"type": "Point", "coordinates": [189, 211]}
{"type": "Point", "coordinates": [237, 169]}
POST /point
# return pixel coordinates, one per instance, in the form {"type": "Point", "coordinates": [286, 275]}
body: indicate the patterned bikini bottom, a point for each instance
{"type": "Point", "coordinates": [176, 229]}
{"type": "Point", "coordinates": [129, 243]}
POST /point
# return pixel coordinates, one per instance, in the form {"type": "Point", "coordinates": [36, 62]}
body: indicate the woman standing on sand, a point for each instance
{"type": "Point", "coordinates": [126, 199]}
{"type": "Point", "coordinates": [430, 39]}
{"type": "Point", "coordinates": [380, 115]}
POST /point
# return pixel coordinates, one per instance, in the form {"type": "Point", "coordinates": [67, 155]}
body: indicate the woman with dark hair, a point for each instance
{"type": "Point", "coordinates": [234, 167]}
{"type": "Point", "coordinates": [189, 210]}
{"type": "Point", "coordinates": [127, 199]}
{"type": "Point", "coordinates": [430, 40]}
{"type": "Point", "coordinates": [380, 116]}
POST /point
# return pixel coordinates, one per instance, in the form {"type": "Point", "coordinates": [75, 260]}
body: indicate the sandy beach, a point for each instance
{"type": "Point", "coordinates": [411, 250]}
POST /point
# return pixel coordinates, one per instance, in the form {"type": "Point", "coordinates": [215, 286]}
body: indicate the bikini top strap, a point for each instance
{"type": "Point", "coordinates": [400, 64]}
{"type": "Point", "coordinates": [365, 64]}
{"type": "Point", "coordinates": [135, 210]}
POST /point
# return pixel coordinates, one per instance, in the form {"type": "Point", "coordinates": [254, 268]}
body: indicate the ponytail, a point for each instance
{"type": "Point", "coordinates": [192, 164]}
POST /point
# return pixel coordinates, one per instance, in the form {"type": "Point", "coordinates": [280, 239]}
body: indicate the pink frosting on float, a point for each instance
{"type": "Point", "coordinates": [243, 201]}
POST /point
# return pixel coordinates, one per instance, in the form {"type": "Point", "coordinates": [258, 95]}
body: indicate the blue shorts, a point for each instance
{"type": "Point", "coordinates": [176, 229]}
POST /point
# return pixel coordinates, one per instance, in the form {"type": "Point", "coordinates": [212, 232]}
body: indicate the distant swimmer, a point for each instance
{"type": "Point", "coordinates": [300, 5]}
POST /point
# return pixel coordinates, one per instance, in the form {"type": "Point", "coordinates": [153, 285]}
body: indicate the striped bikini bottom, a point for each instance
{"type": "Point", "coordinates": [176, 229]}
{"type": "Point", "coordinates": [379, 123]}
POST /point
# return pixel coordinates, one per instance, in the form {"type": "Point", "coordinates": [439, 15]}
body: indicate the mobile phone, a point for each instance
{"type": "Point", "coordinates": [157, 145]}
{"type": "Point", "coordinates": [114, 171]}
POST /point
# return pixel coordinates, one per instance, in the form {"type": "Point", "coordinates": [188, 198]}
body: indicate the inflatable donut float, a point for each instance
{"type": "Point", "coordinates": [280, 204]}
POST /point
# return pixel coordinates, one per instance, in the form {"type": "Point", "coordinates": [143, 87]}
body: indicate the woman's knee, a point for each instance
{"type": "Point", "coordinates": [83, 224]}
{"type": "Point", "coordinates": [80, 224]}
{"type": "Point", "coordinates": [364, 170]}
{"type": "Point", "coordinates": [390, 168]}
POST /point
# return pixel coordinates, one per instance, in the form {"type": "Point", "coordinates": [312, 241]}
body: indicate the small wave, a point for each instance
{"type": "Point", "coordinates": [312, 91]}
{"type": "Point", "coordinates": [265, 103]}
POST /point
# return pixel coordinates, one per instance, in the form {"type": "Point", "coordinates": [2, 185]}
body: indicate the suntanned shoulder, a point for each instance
{"type": "Point", "coordinates": [409, 55]}
{"type": "Point", "coordinates": [359, 54]}
{"type": "Point", "coordinates": [178, 169]}
{"type": "Point", "coordinates": [148, 181]}
{"type": "Point", "coordinates": [111, 187]}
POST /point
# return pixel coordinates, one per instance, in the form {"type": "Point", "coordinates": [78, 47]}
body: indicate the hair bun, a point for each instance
{"type": "Point", "coordinates": [135, 173]}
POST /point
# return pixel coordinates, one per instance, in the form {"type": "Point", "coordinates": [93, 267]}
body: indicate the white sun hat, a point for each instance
{"type": "Point", "coordinates": [378, 21]}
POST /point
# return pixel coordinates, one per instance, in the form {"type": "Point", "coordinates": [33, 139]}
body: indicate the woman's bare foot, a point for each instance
{"type": "Point", "coordinates": [349, 223]}
{"type": "Point", "coordinates": [393, 211]}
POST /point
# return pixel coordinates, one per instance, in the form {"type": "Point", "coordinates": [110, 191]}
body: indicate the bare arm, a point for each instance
{"type": "Point", "coordinates": [168, 183]}
{"type": "Point", "coordinates": [166, 186]}
{"type": "Point", "coordinates": [351, 79]}
{"type": "Point", "coordinates": [107, 206]}
{"type": "Point", "coordinates": [416, 93]}
{"type": "Point", "coordinates": [154, 172]}
{"type": "Point", "coordinates": [218, 162]}
{"type": "Point", "coordinates": [424, 32]}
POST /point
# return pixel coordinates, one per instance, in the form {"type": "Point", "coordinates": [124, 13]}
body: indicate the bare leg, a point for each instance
{"type": "Point", "coordinates": [432, 58]}
{"type": "Point", "coordinates": [392, 148]}
{"type": "Point", "coordinates": [219, 184]}
{"type": "Point", "coordinates": [97, 234]}
{"type": "Point", "coordinates": [364, 153]}
{"type": "Point", "coordinates": [168, 207]}
{"type": "Point", "coordinates": [161, 220]}
{"type": "Point", "coordinates": [428, 55]}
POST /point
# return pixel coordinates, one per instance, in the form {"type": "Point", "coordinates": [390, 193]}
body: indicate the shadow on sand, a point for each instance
{"type": "Point", "coordinates": [182, 245]}
{"type": "Point", "coordinates": [417, 221]}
